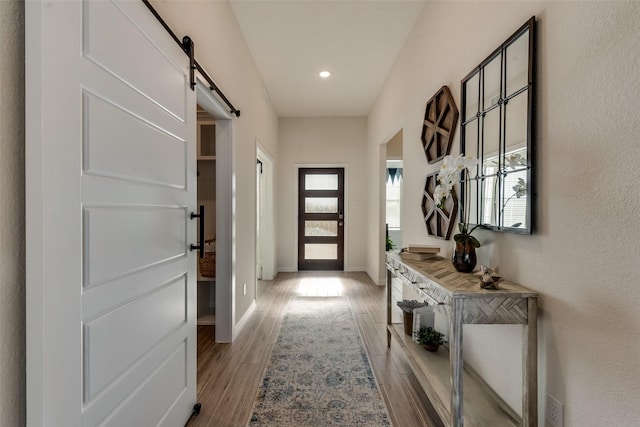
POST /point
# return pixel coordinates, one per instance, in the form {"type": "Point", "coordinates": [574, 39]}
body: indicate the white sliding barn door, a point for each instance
{"type": "Point", "coordinates": [111, 182]}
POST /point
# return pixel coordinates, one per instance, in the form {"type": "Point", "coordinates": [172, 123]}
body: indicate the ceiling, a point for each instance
{"type": "Point", "coordinates": [358, 41]}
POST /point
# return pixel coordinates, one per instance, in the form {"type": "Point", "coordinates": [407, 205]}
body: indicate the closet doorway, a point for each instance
{"type": "Point", "coordinates": [215, 302]}
{"type": "Point", "coordinates": [206, 155]}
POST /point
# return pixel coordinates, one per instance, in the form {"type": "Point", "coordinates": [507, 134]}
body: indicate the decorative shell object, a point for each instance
{"type": "Point", "coordinates": [489, 277]}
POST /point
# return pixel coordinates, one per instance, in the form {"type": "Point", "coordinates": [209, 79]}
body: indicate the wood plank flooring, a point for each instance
{"type": "Point", "coordinates": [229, 374]}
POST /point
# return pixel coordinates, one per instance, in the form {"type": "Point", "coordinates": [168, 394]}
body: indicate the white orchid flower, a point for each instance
{"type": "Point", "coordinates": [515, 159]}
{"type": "Point", "coordinates": [448, 163]}
{"type": "Point", "coordinates": [439, 193]}
{"type": "Point", "coordinates": [470, 162]}
{"type": "Point", "coordinates": [449, 175]}
{"type": "Point", "coordinates": [520, 188]}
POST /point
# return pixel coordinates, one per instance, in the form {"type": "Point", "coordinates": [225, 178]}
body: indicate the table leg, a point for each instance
{"type": "Point", "coordinates": [455, 360]}
{"type": "Point", "coordinates": [530, 366]}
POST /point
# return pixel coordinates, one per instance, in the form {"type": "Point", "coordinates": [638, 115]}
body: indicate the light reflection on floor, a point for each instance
{"type": "Point", "coordinates": [320, 287]}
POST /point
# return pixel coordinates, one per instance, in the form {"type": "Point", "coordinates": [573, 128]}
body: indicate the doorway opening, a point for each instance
{"type": "Point", "coordinates": [265, 243]}
{"type": "Point", "coordinates": [206, 161]}
{"type": "Point", "coordinates": [393, 192]}
{"type": "Point", "coordinates": [215, 302]}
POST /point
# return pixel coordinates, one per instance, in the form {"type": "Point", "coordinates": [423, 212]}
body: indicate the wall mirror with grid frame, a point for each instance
{"type": "Point", "coordinates": [498, 129]}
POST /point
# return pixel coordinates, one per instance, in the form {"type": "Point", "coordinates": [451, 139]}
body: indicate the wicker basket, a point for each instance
{"type": "Point", "coordinates": [208, 264]}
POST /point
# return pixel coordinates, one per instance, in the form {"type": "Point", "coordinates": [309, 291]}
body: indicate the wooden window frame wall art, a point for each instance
{"type": "Point", "coordinates": [439, 125]}
{"type": "Point", "coordinates": [439, 221]}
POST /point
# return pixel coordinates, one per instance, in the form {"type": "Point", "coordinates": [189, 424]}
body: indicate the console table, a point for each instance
{"type": "Point", "coordinates": [460, 298]}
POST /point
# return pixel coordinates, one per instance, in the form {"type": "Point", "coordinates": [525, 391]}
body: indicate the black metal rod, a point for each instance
{"type": "Point", "coordinates": [212, 85]}
{"type": "Point", "coordinates": [162, 21]}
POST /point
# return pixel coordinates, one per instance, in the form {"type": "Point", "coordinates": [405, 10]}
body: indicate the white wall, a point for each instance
{"type": "Point", "coordinates": [583, 256]}
{"type": "Point", "coordinates": [220, 48]}
{"type": "Point", "coordinates": [323, 141]}
{"type": "Point", "coordinates": [12, 234]}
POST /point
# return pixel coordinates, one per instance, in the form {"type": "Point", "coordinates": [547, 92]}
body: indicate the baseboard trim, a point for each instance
{"type": "Point", "coordinates": [243, 321]}
{"type": "Point", "coordinates": [378, 281]}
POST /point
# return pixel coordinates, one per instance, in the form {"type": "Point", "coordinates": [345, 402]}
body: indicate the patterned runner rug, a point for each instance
{"type": "Point", "coordinates": [319, 373]}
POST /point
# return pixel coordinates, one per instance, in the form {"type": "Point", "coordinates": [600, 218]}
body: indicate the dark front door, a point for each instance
{"type": "Point", "coordinates": [321, 219]}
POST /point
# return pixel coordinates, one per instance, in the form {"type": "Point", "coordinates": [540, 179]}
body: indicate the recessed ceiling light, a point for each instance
{"type": "Point", "coordinates": [324, 74]}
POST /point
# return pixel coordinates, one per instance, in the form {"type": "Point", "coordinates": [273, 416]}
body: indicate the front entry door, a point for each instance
{"type": "Point", "coordinates": [321, 219]}
{"type": "Point", "coordinates": [111, 183]}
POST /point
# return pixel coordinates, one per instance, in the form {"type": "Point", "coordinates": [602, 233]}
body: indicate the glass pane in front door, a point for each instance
{"type": "Point", "coordinates": [321, 182]}
{"type": "Point", "coordinates": [321, 251]}
{"type": "Point", "coordinates": [321, 228]}
{"type": "Point", "coordinates": [321, 204]}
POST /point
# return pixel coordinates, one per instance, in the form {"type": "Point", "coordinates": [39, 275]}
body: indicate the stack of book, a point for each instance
{"type": "Point", "coordinates": [419, 252]}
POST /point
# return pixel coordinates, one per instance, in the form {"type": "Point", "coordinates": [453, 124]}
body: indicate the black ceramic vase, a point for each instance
{"type": "Point", "coordinates": [464, 257]}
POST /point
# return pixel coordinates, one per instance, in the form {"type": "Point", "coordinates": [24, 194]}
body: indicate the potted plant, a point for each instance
{"type": "Point", "coordinates": [390, 245]}
{"type": "Point", "coordinates": [464, 253]}
{"type": "Point", "coordinates": [429, 338]}
{"type": "Point", "coordinates": [407, 307]}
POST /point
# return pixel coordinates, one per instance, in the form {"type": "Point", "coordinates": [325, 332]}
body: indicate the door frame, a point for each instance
{"type": "Point", "coordinates": [267, 229]}
{"type": "Point", "coordinates": [345, 166]}
{"type": "Point", "coordinates": [225, 200]}
{"type": "Point", "coordinates": [377, 271]}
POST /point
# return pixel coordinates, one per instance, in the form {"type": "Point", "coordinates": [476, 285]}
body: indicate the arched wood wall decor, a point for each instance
{"type": "Point", "coordinates": [439, 221]}
{"type": "Point", "coordinates": [439, 125]}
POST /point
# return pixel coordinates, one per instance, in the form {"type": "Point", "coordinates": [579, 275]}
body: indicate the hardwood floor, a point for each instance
{"type": "Point", "coordinates": [229, 374]}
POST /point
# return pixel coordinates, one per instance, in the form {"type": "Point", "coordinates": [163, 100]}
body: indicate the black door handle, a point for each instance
{"type": "Point", "coordinates": [200, 246]}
